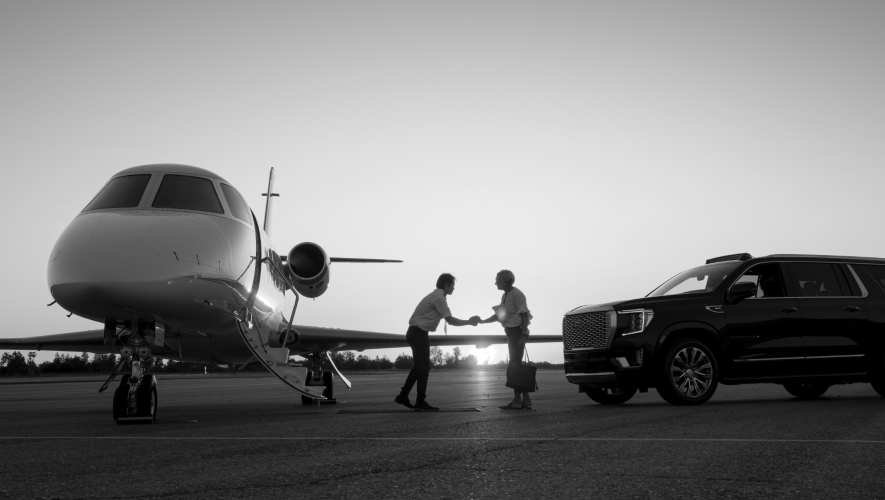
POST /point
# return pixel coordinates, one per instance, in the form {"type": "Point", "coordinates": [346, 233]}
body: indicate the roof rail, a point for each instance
{"type": "Point", "coordinates": [736, 256]}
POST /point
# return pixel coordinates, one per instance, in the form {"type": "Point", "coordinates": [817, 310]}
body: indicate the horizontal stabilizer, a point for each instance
{"type": "Point", "coordinates": [351, 260]}
{"type": "Point", "coordinates": [359, 261]}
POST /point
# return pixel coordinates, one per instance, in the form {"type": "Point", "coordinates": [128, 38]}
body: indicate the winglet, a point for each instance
{"type": "Point", "coordinates": [268, 206]}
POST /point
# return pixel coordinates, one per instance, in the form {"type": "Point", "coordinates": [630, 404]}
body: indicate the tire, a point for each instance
{"type": "Point", "coordinates": [689, 374]}
{"type": "Point", "coordinates": [329, 383]}
{"type": "Point", "coordinates": [121, 399]}
{"type": "Point", "coordinates": [328, 392]}
{"type": "Point", "coordinates": [806, 390]}
{"type": "Point", "coordinates": [879, 386]}
{"type": "Point", "coordinates": [146, 398]}
{"type": "Point", "coordinates": [611, 395]}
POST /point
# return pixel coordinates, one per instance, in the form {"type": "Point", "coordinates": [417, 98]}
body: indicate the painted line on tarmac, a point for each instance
{"type": "Point", "coordinates": [465, 439]}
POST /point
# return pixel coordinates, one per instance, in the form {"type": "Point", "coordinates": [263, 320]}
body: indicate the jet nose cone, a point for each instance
{"type": "Point", "coordinates": [103, 248]}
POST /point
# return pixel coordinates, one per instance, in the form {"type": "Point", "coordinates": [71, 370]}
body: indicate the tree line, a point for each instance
{"type": "Point", "coordinates": [16, 364]}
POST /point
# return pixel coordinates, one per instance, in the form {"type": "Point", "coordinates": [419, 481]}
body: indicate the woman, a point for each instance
{"type": "Point", "coordinates": [514, 316]}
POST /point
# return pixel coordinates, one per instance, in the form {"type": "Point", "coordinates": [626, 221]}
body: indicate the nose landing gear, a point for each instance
{"type": "Point", "coordinates": [135, 399]}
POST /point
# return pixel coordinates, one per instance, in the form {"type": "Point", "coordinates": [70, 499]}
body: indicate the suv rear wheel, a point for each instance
{"type": "Point", "coordinates": [879, 386]}
{"type": "Point", "coordinates": [690, 373]}
{"type": "Point", "coordinates": [806, 390]}
{"type": "Point", "coordinates": [611, 395]}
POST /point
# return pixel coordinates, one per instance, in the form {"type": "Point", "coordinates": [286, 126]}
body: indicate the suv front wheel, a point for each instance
{"type": "Point", "coordinates": [690, 373]}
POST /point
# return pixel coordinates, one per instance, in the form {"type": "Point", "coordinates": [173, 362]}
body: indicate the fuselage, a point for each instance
{"type": "Point", "coordinates": [177, 246]}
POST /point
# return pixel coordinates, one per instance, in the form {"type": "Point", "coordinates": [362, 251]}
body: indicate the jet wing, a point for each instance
{"type": "Point", "coordinates": [312, 339]}
{"type": "Point", "coordinates": [316, 339]}
{"type": "Point", "coordinates": [84, 341]}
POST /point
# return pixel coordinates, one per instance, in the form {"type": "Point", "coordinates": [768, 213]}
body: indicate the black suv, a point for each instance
{"type": "Point", "coordinates": [804, 321]}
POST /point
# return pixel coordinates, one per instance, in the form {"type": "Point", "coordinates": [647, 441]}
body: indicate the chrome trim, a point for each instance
{"type": "Point", "coordinates": [837, 356]}
{"type": "Point", "coordinates": [612, 327]}
{"type": "Point", "coordinates": [715, 309]}
{"type": "Point", "coordinates": [863, 289]}
{"type": "Point", "coordinates": [586, 349]}
{"type": "Point", "coordinates": [601, 374]}
{"type": "Point", "coordinates": [766, 359]}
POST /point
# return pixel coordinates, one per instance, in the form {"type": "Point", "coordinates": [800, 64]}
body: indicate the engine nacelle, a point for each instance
{"type": "Point", "coordinates": [308, 267]}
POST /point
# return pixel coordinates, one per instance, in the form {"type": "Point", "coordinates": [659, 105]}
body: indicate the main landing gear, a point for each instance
{"type": "Point", "coordinates": [135, 399]}
{"type": "Point", "coordinates": [317, 376]}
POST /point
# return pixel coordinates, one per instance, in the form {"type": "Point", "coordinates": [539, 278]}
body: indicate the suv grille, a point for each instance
{"type": "Point", "coordinates": [586, 331]}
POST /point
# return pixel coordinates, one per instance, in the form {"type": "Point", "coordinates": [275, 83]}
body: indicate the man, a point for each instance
{"type": "Point", "coordinates": [430, 310]}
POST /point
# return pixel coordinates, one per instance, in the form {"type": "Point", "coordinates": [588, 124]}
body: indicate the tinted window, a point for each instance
{"type": "Point", "coordinates": [878, 273]}
{"type": "Point", "coordinates": [122, 192]}
{"type": "Point", "coordinates": [187, 193]}
{"type": "Point", "coordinates": [812, 279]}
{"type": "Point", "coordinates": [767, 278]}
{"type": "Point", "coordinates": [237, 206]}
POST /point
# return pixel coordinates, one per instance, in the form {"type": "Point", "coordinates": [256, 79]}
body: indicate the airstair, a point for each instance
{"type": "Point", "coordinates": [276, 360]}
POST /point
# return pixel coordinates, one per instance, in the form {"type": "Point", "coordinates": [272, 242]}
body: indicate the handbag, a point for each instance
{"type": "Point", "coordinates": [521, 377]}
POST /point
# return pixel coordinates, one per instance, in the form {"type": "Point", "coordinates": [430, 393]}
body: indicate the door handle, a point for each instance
{"type": "Point", "coordinates": [789, 309]}
{"type": "Point", "coordinates": [851, 309]}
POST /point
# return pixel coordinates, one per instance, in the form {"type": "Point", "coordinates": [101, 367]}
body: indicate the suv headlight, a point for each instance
{"type": "Point", "coordinates": [636, 320]}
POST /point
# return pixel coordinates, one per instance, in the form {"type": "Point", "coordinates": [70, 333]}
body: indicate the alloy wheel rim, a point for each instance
{"type": "Point", "coordinates": [692, 372]}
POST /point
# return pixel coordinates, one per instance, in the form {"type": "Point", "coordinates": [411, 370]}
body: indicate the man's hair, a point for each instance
{"type": "Point", "coordinates": [444, 280]}
{"type": "Point", "coordinates": [507, 276]}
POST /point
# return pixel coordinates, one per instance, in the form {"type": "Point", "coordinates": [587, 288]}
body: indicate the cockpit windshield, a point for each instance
{"type": "Point", "coordinates": [122, 192]}
{"type": "Point", "coordinates": [187, 193]}
{"type": "Point", "coordinates": [697, 280]}
{"type": "Point", "coordinates": [236, 204]}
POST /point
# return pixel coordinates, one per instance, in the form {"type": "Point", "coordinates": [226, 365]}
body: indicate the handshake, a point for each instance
{"type": "Point", "coordinates": [474, 320]}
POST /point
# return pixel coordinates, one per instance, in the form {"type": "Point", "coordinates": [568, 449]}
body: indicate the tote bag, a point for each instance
{"type": "Point", "coordinates": [521, 376]}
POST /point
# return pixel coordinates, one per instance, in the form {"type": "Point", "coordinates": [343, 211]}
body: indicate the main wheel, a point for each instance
{"type": "Point", "coordinates": [146, 398]}
{"type": "Point", "coordinates": [121, 398]}
{"type": "Point", "coordinates": [879, 386]}
{"type": "Point", "coordinates": [329, 383]}
{"type": "Point", "coordinates": [690, 373]}
{"type": "Point", "coordinates": [611, 395]}
{"type": "Point", "coordinates": [806, 390]}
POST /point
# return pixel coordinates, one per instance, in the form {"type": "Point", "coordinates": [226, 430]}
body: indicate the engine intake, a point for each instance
{"type": "Point", "coordinates": [308, 266]}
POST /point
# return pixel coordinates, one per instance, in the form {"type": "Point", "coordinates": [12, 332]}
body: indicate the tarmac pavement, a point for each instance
{"type": "Point", "coordinates": [250, 437]}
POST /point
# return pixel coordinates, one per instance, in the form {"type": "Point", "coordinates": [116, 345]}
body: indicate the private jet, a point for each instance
{"type": "Point", "coordinates": [174, 264]}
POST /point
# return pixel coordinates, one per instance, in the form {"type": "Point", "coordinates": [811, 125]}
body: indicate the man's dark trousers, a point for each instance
{"type": "Point", "coordinates": [420, 344]}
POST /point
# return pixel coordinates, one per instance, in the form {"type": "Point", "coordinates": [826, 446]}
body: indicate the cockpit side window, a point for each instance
{"type": "Point", "coordinates": [122, 192]}
{"type": "Point", "coordinates": [236, 204]}
{"type": "Point", "coordinates": [187, 193]}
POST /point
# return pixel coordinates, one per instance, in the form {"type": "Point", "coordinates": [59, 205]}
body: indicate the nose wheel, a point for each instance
{"type": "Point", "coordinates": [135, 399]}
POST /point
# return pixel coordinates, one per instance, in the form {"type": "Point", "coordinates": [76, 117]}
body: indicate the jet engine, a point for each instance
{"type": "Point", "coordinates": [308, 267]}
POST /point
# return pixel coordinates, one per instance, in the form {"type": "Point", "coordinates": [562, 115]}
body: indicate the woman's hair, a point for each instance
{"type": "Point", "coordinates": [507, 277]}
{"type": "Point", "coordinates": [444, 280]}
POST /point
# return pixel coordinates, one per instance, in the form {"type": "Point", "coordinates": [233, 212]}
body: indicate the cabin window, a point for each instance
{"type": "Point", "coordinates": [236, 204]}
{"type": "Point", "coordinates": [122, 192]}
{"type": "Point", "coordinates": [187, 193]}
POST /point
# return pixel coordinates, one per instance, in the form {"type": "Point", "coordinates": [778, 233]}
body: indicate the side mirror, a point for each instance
{"type": "Point", "coordinates": [740, 291]}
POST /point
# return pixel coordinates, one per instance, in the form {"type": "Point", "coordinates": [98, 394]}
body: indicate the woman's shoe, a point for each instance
{"type": "Point", "coordinates": [510, 406]}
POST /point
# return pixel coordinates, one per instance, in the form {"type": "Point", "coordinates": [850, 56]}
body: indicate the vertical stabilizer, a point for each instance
{"type": "Point", "coordinates": [268, 206]}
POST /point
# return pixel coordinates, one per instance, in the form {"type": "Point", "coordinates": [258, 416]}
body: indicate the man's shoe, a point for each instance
{"type": "Point", "coordinates": [422, 405]}
{"type": "Point", "coordinates": [403, 400]}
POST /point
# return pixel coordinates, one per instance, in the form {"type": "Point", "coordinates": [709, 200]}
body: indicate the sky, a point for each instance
{"type": "Point", "coordinates": [593, 148]}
